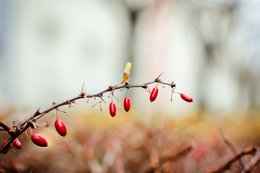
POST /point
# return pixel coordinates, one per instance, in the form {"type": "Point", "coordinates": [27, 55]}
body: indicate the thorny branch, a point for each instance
{"type": "Point", "coordinates": [21, 127]}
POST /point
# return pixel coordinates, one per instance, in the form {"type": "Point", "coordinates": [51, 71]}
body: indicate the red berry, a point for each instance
{"type": "Point", "coordinates": [39, 140]}
{"type": "Point", "coordinates": [186, 98]}
{"type": "Point", "coordinates": [17, 144]}
{"type": "Point", "coordinates": [5, 151]}
{"type": "Point", "coordinates": [112, 109]}
{"type": "Point", "coordinates": [154, 94]}
{"type": "Point", "coordinates": [60, 127]}
{"type": "Point", "coordinates": [127, 103]}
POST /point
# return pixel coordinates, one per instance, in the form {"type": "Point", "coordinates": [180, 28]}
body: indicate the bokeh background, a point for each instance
{"type": "Point", "coordinates": [209, 48]}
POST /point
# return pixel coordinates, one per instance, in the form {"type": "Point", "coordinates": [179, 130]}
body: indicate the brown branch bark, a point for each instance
{"type": "Point", "coordinates": [170, 157]}
{"type": "Point", "coordinates": [231, 147]}
{"type": "Point", "coordinates": [4, 127]}
{"type": "Point", "coordinates": [21, 127]}
{"type": "Point", "coordinates": [251, 150]}
{"type": "Point", "coordinates": [253, 162]}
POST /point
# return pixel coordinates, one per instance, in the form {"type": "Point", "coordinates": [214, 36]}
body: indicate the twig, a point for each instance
{"type": "Point", "coordinates": [20, 128]}
{"type": "Point", "coordinates": [170, 157]}
{"type": "Point", "coordinates": [231, 147]}
{"type": "Point", "coordinates": [176, 156]}
{"type": "Point", "coordinates": [253, 162]}
{"type": "Point", "coordinates": [5, 127]}
{"type": "Point", "coordinates": [251, 150]}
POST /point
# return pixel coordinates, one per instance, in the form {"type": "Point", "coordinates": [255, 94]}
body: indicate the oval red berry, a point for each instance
{"type": "Point", "coordinates": [112, 109]}
{"type": "Point", "coordinates": [60, 127]}
{"type": "Point", "coordinates": [127, 103]}
{"type": "Point", "coordinates": [17, 144]}
{"type": "Point", "coordinates": [186, 98]}
{"type": "Point", "coordinates": [154, 94]}
{"type": "Point", "coordinates": [39, 140]}
{"type": "Point", "coordinates": [5, 151]}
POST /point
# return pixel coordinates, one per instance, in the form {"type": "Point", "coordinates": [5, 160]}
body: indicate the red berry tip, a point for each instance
{"type": "Point", "coordinates": [60, 127]}
{"type": "Point", "coordinates": [154, 94]}
{"type": "Point", "coordinates": [127, 103]}
{"type": "Point", "coordinates": [17, 144]}
{"type": "Point", "coordinates": [186, 98]}
{"type": "Point", "coordinates": [39, 140]}
{"type": "Point", "coordinates": [5, 151]}
{"type": "Point", "coordinates": [112, 109]}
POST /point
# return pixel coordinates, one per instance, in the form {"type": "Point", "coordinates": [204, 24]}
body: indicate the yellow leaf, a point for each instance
{"type": "Point", "coordinates": [127, 71]}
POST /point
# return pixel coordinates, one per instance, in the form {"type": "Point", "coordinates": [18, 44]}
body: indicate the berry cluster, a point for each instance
{"type": "Point", "coordinates": [38, 139]}
{"type": "Point", "coordinates": [16, 130]}
{"type": "Point", "coordinates": [153, 96]}
{"type": "Point", "coordinates": [60, 127]}
{"type": "Point", "coordinates": [112, 106]}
